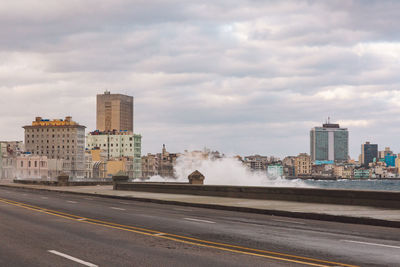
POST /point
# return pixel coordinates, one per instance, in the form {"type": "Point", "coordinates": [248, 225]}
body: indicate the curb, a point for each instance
{"type": "Point", "coordinates": [290, 214]}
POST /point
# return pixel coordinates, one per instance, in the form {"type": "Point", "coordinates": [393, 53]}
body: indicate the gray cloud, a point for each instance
{"type": "Point", "coordinates": [238, 76]}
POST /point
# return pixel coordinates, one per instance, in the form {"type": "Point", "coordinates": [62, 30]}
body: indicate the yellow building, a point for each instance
{"type": "Point", "coordinates": [114, 167]}
{"type": "Point", "coordinates": [302, 165]}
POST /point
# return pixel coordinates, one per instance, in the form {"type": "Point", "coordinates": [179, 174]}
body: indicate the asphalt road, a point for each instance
{"type": "Point", "coordinates": [39, 228]}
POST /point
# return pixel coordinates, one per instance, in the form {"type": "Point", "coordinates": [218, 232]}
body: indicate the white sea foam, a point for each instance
{"type": "Point", "coordinates": [224, 171]}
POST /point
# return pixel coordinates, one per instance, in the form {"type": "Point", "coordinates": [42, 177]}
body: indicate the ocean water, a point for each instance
{"type": "Point", "coordinates": [383, 185]}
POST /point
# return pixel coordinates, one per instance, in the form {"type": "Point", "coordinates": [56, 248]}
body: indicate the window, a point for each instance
{"type": "Point", "coordinates": [29, 164]}
{"type": "Point", "coordinates": [35, 163]}
{"type": "Point", "coordinates": [22, 164]}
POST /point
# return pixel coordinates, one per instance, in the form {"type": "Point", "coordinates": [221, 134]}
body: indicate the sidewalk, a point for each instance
{"type": "Point", "coordinates": [328, 212]}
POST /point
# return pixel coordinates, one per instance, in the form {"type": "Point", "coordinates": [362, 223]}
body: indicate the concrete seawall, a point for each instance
{"type": "Point", "coordinates": [384, 199]}
{"type": "Point", "coordinates": [57, 183]}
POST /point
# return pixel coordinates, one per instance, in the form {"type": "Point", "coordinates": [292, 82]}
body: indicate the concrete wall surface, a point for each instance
{"type": "Point", "coordinates": [56, 183]}
{"type": "Point", "coordinates": [386, 199]}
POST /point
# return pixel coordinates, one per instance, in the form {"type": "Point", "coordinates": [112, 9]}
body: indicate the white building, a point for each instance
{"type": "Point", "coordinates": [31, 167]}
{"type": "Point", "coordinates": [118, 144]}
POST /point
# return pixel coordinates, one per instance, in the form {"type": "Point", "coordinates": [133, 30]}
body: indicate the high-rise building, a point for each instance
{"type": "Point", "coordinates": [114, 112]}
{"type": "Point", "coordinates": [329, 142]}
{"type": "Point", "coordinates": [58, 140]}
{"type": "Point", "coordinates": [368, 153]}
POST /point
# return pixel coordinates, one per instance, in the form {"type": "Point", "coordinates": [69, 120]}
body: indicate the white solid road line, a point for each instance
{"type": "Point", "coordinates": [72, 258]}
{"type": "Point", "coordinates": [285, 221]}
{"type": "Point", "coordinates": [74, 202]}
{"type": "Point", "coordinates": [198, 220]}
{"type": "Point", "coordinates": [371, 244]}
{"type": "Point", "coordinates": [114, 208]}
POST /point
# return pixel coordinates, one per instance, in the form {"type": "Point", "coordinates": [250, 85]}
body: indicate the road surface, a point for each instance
{"type": "Point", "coordinates": [40, 228]}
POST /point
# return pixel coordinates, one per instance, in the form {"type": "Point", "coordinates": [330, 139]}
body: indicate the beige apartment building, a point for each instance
{"type": "Point", "coordinates": [59, 140]}
{"type": "Point", "coordinates": [302, 165]}
{"type": "Point", "coordinates": [114, 112]}
{"type": "Point", "coordinates": [149, 165]}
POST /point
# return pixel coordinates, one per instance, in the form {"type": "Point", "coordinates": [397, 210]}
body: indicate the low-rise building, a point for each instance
{"type": "Point", "coordinates": [119, 145]}
{"type": "Point", "coordinates": [9, 150]}
{"type": "Point", "coordinates": [256, 162]}
{"type": "Point", "coordinates": [303, 165]}
{"type": "Point", "coordinates": [343, 171]}
{"type": "Point", "coordinates": [361, 173]}
{"type": "Point", "coordinates": [149, 165]}
{"type": "Point", "coordinates": [275, 170]}
{"type": "Point", "coordinates": [166, 163]}
{"type": "Point", "coordinates": [31, 167]}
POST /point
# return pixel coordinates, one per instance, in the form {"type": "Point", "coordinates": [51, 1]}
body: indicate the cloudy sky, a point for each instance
{"type": "Point", "coordinates": [242, 77]}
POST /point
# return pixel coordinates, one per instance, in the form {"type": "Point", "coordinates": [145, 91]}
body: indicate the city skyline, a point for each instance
{"type": "Point", "coordinates": [249, 78]}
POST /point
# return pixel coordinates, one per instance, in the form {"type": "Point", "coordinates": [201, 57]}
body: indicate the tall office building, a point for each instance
{"type": "Point", "coordinates": [329, 143]}
{"type": "Point", "coordinates": [114, 112]}
{"type": "Point", "coordinates": [368, 153]}
{"type": "Point", "coordinates": [58, 140]}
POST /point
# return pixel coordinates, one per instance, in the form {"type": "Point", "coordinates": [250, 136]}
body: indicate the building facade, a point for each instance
{"type": "Point", "coordinates": [302, 165]}
{"type": "Point", "coordinates": [114, 112]}
{"type": "Point", "coordinates": [275, 170]}
{"type": "Point", "coordinates": [9, 150]}
{"type": "Point", "coordinates": [257, 162]}
{"type": "Point", "coordinates": [361, 173]}
{"type": "Point", "coordinates": [369, 153]}
{"type": "Point", "coordinates": [329, 142]}
{"type": "Point", "coordinates": [59, 140]}
{"type": "Point", "coordinates": [31, 167]}
{"type": "Point", "coordinates": [390, 160]}
{"type": "Point", "coordinates": [117, 145]}
{"type": "Point", "coordinates": [149, 166]}
{"type": "Point", "coordinates": [161, 164]}
{"type": "Point", "coordinates": [166, 163]}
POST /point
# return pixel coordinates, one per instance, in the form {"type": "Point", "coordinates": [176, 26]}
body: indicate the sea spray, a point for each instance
{"type": "Point", "coordinates": [223, 171]}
